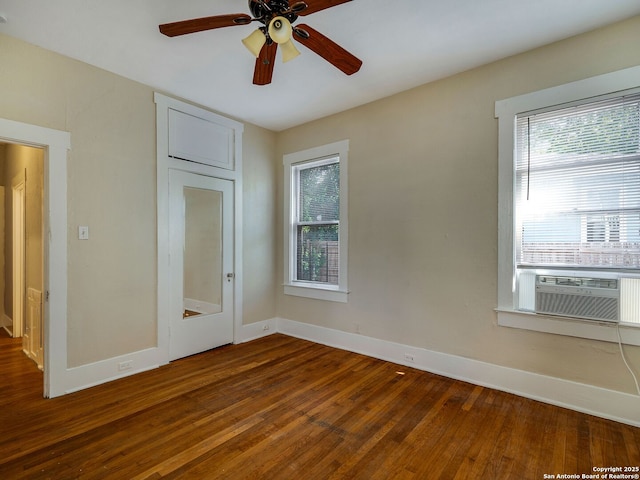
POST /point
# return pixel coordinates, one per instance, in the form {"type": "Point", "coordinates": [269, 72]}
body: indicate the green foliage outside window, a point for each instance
{"type": "Point", "coordinates": [318, 230]}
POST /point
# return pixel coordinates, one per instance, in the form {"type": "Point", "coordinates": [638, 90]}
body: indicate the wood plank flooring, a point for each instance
{"type": "Point", "coordinates": [284, 408]}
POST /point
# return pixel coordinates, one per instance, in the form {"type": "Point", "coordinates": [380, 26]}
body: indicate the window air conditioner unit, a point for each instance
{"type": "Point", "coordinates": [578, 297]}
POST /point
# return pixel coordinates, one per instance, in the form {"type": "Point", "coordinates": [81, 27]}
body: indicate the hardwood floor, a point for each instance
{"type": "Point", "coordinates": [284, 408]}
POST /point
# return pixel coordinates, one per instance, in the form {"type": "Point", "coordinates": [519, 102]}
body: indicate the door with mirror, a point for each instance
{"type": "Point", "coordinates": [201, 263]}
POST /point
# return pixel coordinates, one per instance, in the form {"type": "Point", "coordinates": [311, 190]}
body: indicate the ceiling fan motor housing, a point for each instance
{"type": "Point", "coordinates": [265, 11]}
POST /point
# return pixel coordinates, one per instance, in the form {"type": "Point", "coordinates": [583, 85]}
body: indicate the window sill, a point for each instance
{"type": "Point", "coordinates": [316, 292]}
{"type": "Point", "coordinates": [572, 327]}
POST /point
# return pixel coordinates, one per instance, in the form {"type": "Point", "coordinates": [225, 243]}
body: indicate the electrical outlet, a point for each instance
{"type": "Point", "coordinates": [126, 365]}
{"type": "Point", "coordinates": [409, 358]}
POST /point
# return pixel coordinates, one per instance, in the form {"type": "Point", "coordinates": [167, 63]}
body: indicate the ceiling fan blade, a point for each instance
{"type": "Point", "coordinates": [314, 6]}
{"type": "Point", "coordinates": [264, 64]}
{"type": "Point", "coordinates": [206, 23]}
{"type": "Point", "coordinates": [328, 49]}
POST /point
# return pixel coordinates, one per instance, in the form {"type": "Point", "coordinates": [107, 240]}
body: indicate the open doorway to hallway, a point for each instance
{"type": "Point", "coordinates": [22, 246]}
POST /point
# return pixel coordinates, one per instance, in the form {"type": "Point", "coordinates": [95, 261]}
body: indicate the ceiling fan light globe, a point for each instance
{"type": "Point", "coordinates": [289, 51]}
{"type": "Point", "coordinates": [280, 30]}
{"type": "Point", "coordinates": [255, 42]}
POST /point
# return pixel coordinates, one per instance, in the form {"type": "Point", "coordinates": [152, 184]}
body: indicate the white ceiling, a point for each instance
{"type": "Point", "coordinates": [402, 43]}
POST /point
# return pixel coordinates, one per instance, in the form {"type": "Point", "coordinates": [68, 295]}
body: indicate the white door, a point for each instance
{"type": "Point", "coordinates": [201, 263]}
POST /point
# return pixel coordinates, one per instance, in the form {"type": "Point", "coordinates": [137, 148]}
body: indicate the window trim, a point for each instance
{"type": "Point", "coordinates": [335, 293]}
{"type": "Point", "coordinates": [506, 111]}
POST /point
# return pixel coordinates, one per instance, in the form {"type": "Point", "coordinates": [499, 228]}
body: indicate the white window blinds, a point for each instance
{"type": "Point", "coordinates": [317, 221]}
{"type": "Point", "coordinates": [577, 191]}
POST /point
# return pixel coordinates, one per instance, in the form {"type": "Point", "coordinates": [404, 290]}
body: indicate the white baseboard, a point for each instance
{"type": "Point", "coordinates": [200, 306]}
{"type": "Point", "coordinates": [6, 321]}
{"type": "Point", "coordinates": [104, 371]}
{"type": "Point", "coordinates": [92, 374]}
{"type": "Point", "coordinates": [601, 402]}
{"type": "Point", "coordinates": [256, 330]}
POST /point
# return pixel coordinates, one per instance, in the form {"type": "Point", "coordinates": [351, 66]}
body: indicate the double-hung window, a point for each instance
{"type": "Point", "coordinates": [577, 198]}
{"type": "Point", "coordinates": [316, 222]}
{"type": "Point", "coordinates": [569, 199]}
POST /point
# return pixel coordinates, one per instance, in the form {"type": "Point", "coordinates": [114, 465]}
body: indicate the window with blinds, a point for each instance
{"type": "Point", "coordinates": [317, 221]}
{"type": "Point", "coordinates": [577, 186]}
{"type": "Point", "coordinates": [316, 226]}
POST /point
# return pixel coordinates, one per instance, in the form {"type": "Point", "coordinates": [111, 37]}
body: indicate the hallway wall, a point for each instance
{"type": "Point", "coordinates": [19, 158]}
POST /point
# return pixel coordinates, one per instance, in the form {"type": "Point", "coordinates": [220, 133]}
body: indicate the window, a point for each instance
{"type": "Point", "coordinates": [569, 202]}
{"type": "Point", "coordinates": [577, 193]}
{"type": "Point", "coordinates": [316, 226]}
{"type": "Point", "coordinates": [316, 221]}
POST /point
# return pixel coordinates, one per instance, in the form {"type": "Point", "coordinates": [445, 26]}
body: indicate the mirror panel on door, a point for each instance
{"type": "Point", "coordinates": [202, 251]}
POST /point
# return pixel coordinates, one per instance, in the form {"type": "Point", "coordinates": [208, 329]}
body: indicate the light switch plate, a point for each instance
{"type": "Point", "coordinates": [83, 232]}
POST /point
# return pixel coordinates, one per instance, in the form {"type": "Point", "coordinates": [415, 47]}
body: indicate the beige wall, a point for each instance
{"type": "Point", "coordinates": [260, 168]}
{"type": "Point", "coordinates": [423, 214]}
{"type": "Point", "coordinates": [112, 304]}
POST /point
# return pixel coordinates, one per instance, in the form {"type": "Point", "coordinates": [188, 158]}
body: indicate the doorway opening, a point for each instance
{"type": "Point", "coordinates": [22, 246]}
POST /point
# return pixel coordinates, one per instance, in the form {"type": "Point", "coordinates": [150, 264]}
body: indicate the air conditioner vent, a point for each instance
{"type": "Point", "coordinates": [578, 297]}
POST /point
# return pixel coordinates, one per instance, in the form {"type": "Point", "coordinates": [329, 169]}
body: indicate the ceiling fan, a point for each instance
{"type": "Point", "coordinates": [276, 17]}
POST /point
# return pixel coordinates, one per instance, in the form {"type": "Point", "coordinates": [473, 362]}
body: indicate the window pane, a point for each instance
{"type": "Point", "coordinates": [319, 193]}
{"type": "Point", "coordinates": [578, 186]}
{"type": "Point", "coordinates": [318, 253]}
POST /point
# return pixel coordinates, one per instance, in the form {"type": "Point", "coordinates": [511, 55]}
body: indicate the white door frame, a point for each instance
{"type": "Point", "coordinates": [55, 144]}
{"type": "Point", "coordinates": [18, 197]}
{"type": "Point", "coordinates": [166, 162]}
